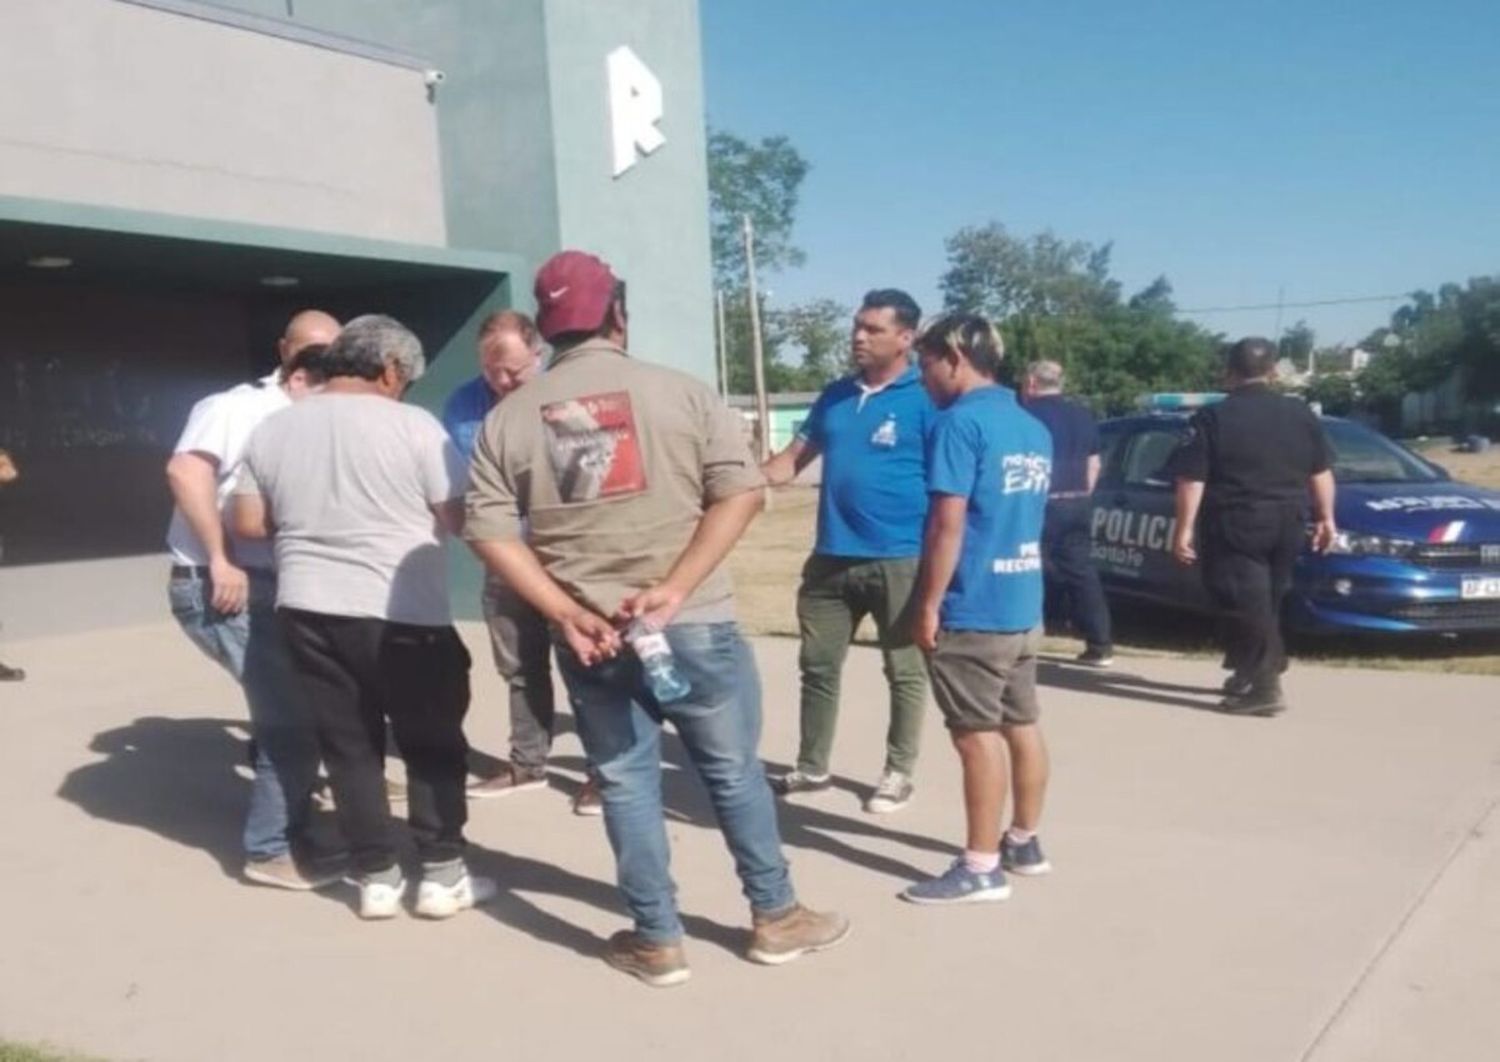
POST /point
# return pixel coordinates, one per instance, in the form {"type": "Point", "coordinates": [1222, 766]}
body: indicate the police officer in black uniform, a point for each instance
{"type": "Point", "coordinates": [1244, 475]}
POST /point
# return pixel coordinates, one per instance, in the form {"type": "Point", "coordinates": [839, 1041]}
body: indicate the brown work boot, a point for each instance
{"type": "Point", "coordinates": [509, 779]}
{"type": "Point", "coordinates": [284, 872]}
{"type": "Point", "coordinates": [587, 800]}
{"type": "Point", "coordinates": [791, 934]}
{"type": "Point", "coordinates": [659, 965]}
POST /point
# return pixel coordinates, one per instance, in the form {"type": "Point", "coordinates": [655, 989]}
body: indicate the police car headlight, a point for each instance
{"type": "Point", "coordinates": [1357, 545]}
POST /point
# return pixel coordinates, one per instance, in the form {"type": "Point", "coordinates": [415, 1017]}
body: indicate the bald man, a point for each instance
{"type": "Point", "coordinates": [223, 595]}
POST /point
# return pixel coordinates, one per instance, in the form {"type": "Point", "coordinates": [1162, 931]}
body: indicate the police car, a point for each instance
{"type": "Point", "coordinates": [1416, 551]}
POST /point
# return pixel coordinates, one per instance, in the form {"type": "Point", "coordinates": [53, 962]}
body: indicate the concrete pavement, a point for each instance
{"type": "Point", "coordinates": [1322, 886]}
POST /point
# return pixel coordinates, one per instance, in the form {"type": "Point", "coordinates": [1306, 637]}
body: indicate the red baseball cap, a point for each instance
{"type": "Point", "coordinates": [573, 290]}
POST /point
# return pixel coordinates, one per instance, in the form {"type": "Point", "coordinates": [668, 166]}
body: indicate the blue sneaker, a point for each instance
{"type": "Point", "coordinates": [1026, 859]}
{"type": "Point", "coordinates": [959, 884]}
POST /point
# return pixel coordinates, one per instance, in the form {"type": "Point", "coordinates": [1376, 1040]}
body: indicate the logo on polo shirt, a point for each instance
{"type": "Point", "coordinates": [1028, 559]}
{"type": "Point", "coordinates": [1029, 473]}
{"type": "Point", "coordinates": [885, 435]}
{"type": "Point", "coordinates": [594, 447]}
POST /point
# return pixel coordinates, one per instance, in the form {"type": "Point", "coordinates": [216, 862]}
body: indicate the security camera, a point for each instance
{"type": "Point", "coordinates": [433, 78]}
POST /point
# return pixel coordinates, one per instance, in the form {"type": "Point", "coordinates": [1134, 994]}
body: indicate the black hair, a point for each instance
{"type": "Point", "coordinates": [907, 312]}
{"type": "Point", "coordinates": [1252, 358]}
{"type": "Point", "coordinates": [972, 336]}
{"type": "Point", "coordinates": [311, 361]}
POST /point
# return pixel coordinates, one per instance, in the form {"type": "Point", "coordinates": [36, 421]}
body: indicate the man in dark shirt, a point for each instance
{"type": "Point", "coordinates": [1073, 586]}
{"type": "Point", "coordinates": [1244, 474]}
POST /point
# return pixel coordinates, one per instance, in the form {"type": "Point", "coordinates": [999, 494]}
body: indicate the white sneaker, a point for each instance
{"type": "Point", "coordinates": [379, 900]}
{"type": "Point", "coordinates": [445, 901]}
{"type": "Point", "coordinates": [892, 794]}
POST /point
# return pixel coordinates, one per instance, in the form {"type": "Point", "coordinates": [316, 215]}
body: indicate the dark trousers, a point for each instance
{"type": "Point", "coordinates": [357, 673]}
{"type": "Point", "coordinates": [1073, 587]}
{"type": "Point", "coordinates": [1248, 556]}
{"type": "Point", "coordinates": [522, 645]}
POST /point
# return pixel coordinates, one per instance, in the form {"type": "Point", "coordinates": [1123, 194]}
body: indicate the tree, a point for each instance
{"type": "Point", "coordinates": [1000, 275]}
{"type": "Point", "coordinates": [1334, 392]}
{"type": "Point", "coordinates": [1155, 297]}
{"type": "Point", "coordinates": [1428, 340]}
{"type": "Point", "coordinates": [764, 181]}
{"type": "Point", "coordinates": [1297, 343]}
{"type": "Point", "coordinates": [820, 330]}
{"type": "Point", "coordinates": [1054, 299]}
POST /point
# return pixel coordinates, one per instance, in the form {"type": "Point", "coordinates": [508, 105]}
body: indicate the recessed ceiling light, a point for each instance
{"type": "Point", "coordinates": [49, 261]}
{"type": "Point", "coordinates": [280, 282]}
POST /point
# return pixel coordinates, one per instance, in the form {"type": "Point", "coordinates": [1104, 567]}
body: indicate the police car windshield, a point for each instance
{"type": "Point", "coordinates": [1363, 456]}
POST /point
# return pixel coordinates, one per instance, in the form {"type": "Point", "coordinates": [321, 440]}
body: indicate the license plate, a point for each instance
{"type": "Point", "coordinates": [1475, 589]}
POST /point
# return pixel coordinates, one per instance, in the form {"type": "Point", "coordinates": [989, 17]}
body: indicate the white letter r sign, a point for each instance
{"type": "Point", "coordinates": [635, 106]}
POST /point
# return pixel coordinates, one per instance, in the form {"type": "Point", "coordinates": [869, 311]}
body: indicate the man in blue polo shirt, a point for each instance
{"type": "Point", "coordinates": [978, 607]}
{"type": "Point", "coordinates": [870, 429]}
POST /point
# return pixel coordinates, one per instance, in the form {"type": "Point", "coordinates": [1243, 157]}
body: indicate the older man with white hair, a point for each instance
{"type": "Point", "coordinates": [359, 491]}
{"type": "Point", "coordinates": [1073, 586]}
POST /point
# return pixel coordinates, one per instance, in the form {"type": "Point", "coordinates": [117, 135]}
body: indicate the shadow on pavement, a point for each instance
{"type": "Point", "coordinates": [685, 800]}
{"type": "Point", "coordinates": [177, 778]}
{"type": "Point", "coordinates": [1116, 682]}
{"type": "Point", "coordinates": [174, 777]}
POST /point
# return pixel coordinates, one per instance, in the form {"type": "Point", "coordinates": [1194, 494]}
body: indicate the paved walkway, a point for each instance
{"type": "Point", "coordinates": [1322, 886]}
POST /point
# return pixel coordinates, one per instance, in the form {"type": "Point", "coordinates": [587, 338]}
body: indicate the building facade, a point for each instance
{"type": "Point", "coordinates": [177, 177]}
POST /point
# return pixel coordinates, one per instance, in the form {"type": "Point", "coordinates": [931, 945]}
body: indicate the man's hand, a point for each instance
{"type": "Point", "coordinates": [231, 587]}
{"type": "Point", "coordinates": [657, 606]}
{"type": "Point", "coordinates": [1182, 545]}
{"type": "Point", "coordinates": [592, 638]}
{"type": "Point", "coordinates": [924, 629]}
{"type": "Point", "coordinates": [1323, 534]}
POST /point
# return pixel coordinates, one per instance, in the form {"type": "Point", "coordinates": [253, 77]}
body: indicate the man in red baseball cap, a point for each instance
{"type": "Point", "coordinates": [573, 293]}
{"type": "Point", "coordinates": [635, 482]}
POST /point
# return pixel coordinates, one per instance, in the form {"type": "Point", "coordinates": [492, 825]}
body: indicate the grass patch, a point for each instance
{"type": "Point", "coordinates": [14, 1052]}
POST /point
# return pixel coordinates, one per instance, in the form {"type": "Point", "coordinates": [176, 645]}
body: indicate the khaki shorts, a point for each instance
{"type": "Point", "coordinates": [984, 680]}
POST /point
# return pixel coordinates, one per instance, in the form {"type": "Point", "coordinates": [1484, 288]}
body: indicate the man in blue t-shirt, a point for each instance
{"type": "Point", "coordinates": [870, 429]}
{"type": "Point", "coordinates": [978, 605]}
{"type": "Point", "coordinates": [510, 353]}
{"type": "Point", "coordinates": [1072, 581]}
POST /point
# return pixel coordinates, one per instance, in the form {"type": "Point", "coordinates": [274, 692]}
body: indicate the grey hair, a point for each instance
{"type": "Point", "coordinates": [369, 343]}
{"type": "Point", "coordinates": [1045, 375]}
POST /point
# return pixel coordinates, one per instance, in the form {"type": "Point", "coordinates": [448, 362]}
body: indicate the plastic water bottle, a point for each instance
{"type": "Point", "coordinates": [655, 654]}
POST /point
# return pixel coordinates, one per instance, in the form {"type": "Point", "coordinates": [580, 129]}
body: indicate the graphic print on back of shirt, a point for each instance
{"type": "Point", "coordinates": [594, 447]}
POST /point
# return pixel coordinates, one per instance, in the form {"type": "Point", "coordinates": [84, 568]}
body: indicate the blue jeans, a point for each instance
{"type": "Point", "coordinates": [250, 646]}
{"type": "Point", "coordinates": [719, 724]}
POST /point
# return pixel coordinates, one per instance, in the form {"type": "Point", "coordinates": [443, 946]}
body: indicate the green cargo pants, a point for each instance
{"type": "Point", "coordinates": [835, 595]}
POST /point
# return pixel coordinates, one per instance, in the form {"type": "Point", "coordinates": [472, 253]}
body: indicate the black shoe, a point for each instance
{"type": "Point", "coordinates": [11, 674]}
{"type": "Point", "coordinates": [1238, 685]}
{"type": "Point", "coordinates": [1254, 702]}
{"type": "Point", "coordinates": [1095, 658]}
{"type": "Point", "coordinates": [797, 781]}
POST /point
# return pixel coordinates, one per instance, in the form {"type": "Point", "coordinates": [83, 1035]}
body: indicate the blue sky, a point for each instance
{"type": "Point", "coordinates": [1333, 149]}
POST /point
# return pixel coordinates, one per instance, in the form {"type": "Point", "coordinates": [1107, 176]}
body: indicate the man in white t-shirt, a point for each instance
{"type": "Point", "coordinates": [359, 492]}
{"type": "Point", "coordinates": [223, 594]}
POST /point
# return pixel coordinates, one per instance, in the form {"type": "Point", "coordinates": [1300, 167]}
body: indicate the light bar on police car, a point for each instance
{"type": "Point", "coordinates": [1175, 401]}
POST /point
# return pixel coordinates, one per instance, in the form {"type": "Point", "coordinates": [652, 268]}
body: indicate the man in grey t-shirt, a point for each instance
{"type": "Point", "coordinates": [359, 492]}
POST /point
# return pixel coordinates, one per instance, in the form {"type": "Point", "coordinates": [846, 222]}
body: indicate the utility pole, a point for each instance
{"type": "Point", "coordinates": [723, 345]}
{"type": "Point", "coordinates": [757, 347]}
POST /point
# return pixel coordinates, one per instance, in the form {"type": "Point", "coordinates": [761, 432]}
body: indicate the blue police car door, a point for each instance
{"type": "Point", "coordinates": [1133, 518]}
